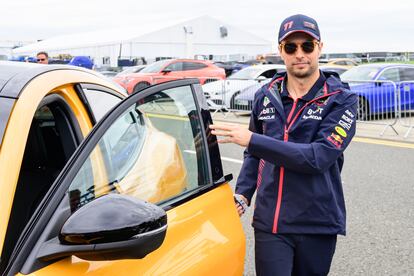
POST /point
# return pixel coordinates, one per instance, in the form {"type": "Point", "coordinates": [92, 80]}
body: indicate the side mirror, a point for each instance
{"type": "Point", "coordinates": [166, 71]}
{"type": "Point", "coordinates": [261, 78]}
{"type": "Point", "coordinates": [111, 227]}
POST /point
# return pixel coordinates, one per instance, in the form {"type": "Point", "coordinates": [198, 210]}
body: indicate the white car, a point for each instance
{"type": "Point", "coordinates": [221, 94]}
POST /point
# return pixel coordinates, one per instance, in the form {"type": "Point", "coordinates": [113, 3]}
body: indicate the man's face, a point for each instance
{"type": "Point", "coordinates": [42, 59]}
{"type": "Point", "coordinates": [300, 63]}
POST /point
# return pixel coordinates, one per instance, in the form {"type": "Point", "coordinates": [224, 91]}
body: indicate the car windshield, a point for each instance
{"type": "Point", "coordinates": [248, 73]}
{"type": "Point", "coordinates": [156, 66]}
{"type": "Point", "coordinates": [360, 73]}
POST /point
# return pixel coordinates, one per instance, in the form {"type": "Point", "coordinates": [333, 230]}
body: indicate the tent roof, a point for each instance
{"type": "Point", "coordinates": [113, 36]}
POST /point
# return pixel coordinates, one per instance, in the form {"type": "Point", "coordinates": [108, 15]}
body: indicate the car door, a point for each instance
{"type": "Point", "coordinates": [406, 88]}
{"type": "Point", "coordinates": [386, 90]}
{"type": "Point", "coordinates": [172, 71]}
{"type": "Point", "coordinates": [197, 70]}
{"type": "Point", "coordinates": [154, 146]}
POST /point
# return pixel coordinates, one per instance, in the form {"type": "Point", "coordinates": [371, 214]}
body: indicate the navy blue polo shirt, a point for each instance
{"type": "Point", "coordinates": [288, 101]}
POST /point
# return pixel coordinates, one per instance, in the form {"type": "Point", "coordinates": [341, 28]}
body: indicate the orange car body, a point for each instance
{"type": "Point", "coordinates": [168, 70]}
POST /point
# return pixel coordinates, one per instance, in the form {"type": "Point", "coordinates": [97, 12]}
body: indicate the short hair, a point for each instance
{"type": "Point", "coordinates": [43, 53]}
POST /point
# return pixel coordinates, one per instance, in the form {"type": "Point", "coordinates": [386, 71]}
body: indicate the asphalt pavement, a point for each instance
{"type": "Point", "coordinates": [379, 194]}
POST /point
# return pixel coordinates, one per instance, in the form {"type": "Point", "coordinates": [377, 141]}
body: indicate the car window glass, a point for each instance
{"type": "Point", "coordinates": [100, 102]}
{"type": "Point", "coordinates": [176, 66]}
{"type": "Point", "coordinates": [268, 73]}
{"type": "Point", "coordinates": [391, 74]}
{"type": "Point", "coordinates": [153, 151]}
{"type": "Point", "coordinates": [407, 74]}
{"type": "Point", "coordinates": [155, 67]}
{"type": "Point", "coordinates": [193, 66]}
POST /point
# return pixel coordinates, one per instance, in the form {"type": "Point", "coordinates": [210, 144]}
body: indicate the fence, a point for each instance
{"type": "Point", "coordinates": [383, 103]}
{"type": "Point", "coordinates": [232, 95]}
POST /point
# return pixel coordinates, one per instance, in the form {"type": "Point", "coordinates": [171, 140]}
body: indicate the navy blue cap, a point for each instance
{"type": "Point", "coordinates": [299, 23]}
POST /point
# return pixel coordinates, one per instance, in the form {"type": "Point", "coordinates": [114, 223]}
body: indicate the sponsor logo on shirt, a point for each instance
{"type": "Point", "coordinates": [336, 140]}
{"type": "Point", "coordinates": [267, 113]}
{"type": "Point", "coordinates": [313, 114]}
{"type": "Point", "coordinates": [346, 120]}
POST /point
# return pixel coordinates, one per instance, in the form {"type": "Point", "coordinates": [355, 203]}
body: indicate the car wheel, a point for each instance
{"type": "Point", "coordinates": [140, 86]}
{"type": "Point", "coordinates": [363, 109]}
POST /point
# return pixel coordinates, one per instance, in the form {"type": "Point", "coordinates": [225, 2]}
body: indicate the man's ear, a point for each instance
{"type": "Point", "coordinates": [280, 53]}
{"type": "Point", "coordinates": [320, 48]}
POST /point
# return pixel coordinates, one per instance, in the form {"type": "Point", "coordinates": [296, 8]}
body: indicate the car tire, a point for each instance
{"type": "Point", "coordinates": [363, 113]}
{"type": "Point", "coordinates": [140, 86]}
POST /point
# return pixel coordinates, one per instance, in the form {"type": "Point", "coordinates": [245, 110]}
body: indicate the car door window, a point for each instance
{"type": "Point", "coordinates": [391, 74]}
{"type": "Point", "coordinates": [176, 66]}
{"type": "Point", "coordinates": [268, 74]}
{"type": "Point", "coordinates": [193, 66]}
{"type": "Point", "coordinates": [154, 151]}
{"type": "Point", "coordinates": [100, 101]}
{"type": "Point", "coordinates": [407, 74]}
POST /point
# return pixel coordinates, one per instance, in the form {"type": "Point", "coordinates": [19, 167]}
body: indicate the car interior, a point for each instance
{"type": "Point", "coordinates": [53, 137]}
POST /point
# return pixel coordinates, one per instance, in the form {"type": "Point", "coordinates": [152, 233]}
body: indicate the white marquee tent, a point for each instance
{"type": "Point", "coordinates": [199, 36]}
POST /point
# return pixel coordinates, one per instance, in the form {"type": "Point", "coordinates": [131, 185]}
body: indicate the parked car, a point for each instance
{"type": "Point", "coordinates": [332, 68]}
{"type": "Point", "coordinates": [221, 94]}
{"type": "Point", "coordinates": [81, 61]}
{"type": "Point", "coordinates": [91, 175]}
{"type": "Point", "coordinates": [378, 85]}
{"type": "Point", "coordinates": [345, 63]}
{"type": "Point", "coordinates": [168, 70]}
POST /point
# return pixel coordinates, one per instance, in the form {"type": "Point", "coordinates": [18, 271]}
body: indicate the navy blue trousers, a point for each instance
{"type": "Point", "coordinates": [292, 254]}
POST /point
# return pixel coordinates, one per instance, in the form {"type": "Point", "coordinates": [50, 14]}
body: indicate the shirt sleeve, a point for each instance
{"type": "Point", "coordinates": [334, 135]}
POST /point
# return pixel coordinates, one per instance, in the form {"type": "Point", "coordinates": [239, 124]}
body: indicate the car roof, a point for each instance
{"type": "Point", "coordinates": [386, 65]}
{"type": "Point", "coordinates": [15, 75]}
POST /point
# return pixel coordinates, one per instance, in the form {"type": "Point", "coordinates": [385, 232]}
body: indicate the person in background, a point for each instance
{"type": "Point", "coordinates": [42, 58]}
{"type": "Point", "coordinates": [301, 123]}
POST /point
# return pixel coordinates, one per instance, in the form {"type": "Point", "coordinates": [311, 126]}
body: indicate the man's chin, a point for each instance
{"type": "Point", "coordinates": [301, 75]}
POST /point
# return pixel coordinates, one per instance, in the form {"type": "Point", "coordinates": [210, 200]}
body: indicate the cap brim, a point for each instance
{"type": "Point", "coordinates": [299, 31]}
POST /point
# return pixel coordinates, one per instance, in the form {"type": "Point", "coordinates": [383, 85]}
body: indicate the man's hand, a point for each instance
{"type": "Point", "coordinates": [233, 133]}
{"type": "Point", "coordinates": [241, 203]}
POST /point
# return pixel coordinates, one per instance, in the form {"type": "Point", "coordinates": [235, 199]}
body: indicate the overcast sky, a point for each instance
{"type": "Point", "coordinates": [346, 26]}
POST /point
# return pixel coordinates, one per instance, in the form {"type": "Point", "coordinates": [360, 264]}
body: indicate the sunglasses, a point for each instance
{"type": "Point", "coordinates": [41, 59]}
{"type": "Point", "coordinates": [307, 47]}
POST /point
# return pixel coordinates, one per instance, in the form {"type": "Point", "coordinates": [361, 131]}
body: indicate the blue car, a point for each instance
{"type": "Point", "coordinates": [381, 88]}
{"type": "Point", "coordinates": [81, 61]}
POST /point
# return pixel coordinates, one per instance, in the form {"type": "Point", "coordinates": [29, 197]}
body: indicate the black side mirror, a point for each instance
{"type": "Point", "coordinates": [166, 71]}
{"type": "Point", "coordinates": [111, 227]}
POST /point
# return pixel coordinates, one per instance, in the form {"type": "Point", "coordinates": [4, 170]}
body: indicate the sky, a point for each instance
{"type": "Point", "coordinates": [346, 26]}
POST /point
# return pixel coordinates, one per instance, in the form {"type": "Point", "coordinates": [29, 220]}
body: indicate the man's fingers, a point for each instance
{"type": "Point", "coordinates": [226, 127]}
{"type": "Point", "coordinates": [224, 141]}
{"type": "Point", "coordinates": [221, 133]}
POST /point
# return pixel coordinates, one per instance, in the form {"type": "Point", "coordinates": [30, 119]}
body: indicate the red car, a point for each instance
{"type": "Point", "coordinates": [168, 70]}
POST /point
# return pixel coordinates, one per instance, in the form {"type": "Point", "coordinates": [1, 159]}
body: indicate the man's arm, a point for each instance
{"type": "Point", "coordinates": [314, 157]}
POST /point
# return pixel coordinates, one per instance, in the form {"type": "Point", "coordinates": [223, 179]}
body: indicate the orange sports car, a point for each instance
{"type": "Point", "coordinates": [171, 69]}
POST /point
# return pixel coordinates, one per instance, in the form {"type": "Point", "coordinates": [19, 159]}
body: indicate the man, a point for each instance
{"type": "Point", "coordinates": [301, 123]}
{"type": "Point", "coordinates": [42, 58]}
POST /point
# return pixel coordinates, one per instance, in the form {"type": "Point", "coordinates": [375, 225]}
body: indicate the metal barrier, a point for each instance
{"type": "Point", "coordinates": [382, 103]}
{"type": "Point", "coordinates": [232, 95]}
{"type": "Point", "coordinates": [377, 103]}
{"type": "Point", "coordinates": [406, 105]}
